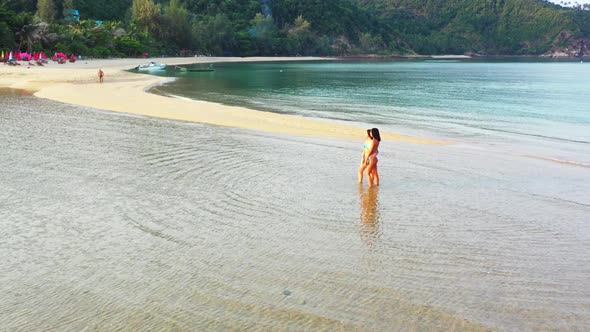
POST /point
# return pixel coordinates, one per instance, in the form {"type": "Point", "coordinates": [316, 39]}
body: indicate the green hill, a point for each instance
{"type": "Point", "coordinates": [489, 26]}
{"type": "Point", "coordinates": [292, 27]}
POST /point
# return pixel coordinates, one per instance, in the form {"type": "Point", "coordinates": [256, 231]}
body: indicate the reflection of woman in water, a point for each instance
{"type": "Point", "coordinates": [369, 214]}
{"type": "Point", "coordinates": [372, 160]}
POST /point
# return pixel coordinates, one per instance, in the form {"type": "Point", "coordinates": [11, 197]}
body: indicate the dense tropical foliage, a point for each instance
{"type": "Point", "coordinates": [104, 28]}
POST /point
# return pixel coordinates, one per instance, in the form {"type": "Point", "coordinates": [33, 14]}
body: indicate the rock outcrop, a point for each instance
{"type": "Point", "coordinates": [567, 46]}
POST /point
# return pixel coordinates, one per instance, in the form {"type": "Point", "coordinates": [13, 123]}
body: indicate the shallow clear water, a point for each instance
{"type": "Point", "coordinates": [114, 222]}
{"type": "Point", "coordinates": [526, 105]}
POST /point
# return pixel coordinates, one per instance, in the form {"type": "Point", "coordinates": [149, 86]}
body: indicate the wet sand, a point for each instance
{"type": "Point", "coordinates": [125, 92]}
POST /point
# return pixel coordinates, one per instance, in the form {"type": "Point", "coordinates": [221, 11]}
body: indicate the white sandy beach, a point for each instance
{"type": "Point", "coordinates": [123, 91]}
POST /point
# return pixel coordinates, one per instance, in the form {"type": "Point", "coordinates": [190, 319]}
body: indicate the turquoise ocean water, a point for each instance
{"type": "Point", "coordinates": [539, 109]}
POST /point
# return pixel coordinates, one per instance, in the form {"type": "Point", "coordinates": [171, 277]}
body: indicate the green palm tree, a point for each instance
{"type": "Point", "coordinates": [31, 34]}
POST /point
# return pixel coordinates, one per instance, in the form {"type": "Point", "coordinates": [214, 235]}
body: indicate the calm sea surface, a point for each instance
{"type": "Point", "coordinates": [117, 222]}
{"type": "Point", "coordinates": [539, 108]}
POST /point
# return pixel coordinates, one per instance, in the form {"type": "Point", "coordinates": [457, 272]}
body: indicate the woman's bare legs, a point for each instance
{"type": "Point", "coordinates": [372, 166]}
{"type": "Point", "coordinates": [375, 175]}
{"type": "Point", "coordinates": [361, 170]}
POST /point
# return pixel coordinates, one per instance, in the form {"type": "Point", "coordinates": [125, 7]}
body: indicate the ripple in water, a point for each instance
{"type": "Point", "coordinates": [120, 222]}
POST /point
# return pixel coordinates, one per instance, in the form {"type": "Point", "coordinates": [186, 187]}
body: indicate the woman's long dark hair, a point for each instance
{"type": "Point", "coordinates": [369, 133]}
{"type": "Point", "coordinates": [375, 134]}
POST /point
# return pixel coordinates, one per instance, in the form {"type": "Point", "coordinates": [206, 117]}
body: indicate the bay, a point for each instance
{"type": "Point", "coordinates": [119, 222]}
{"type": "Point", "coordinates": [536, 108]}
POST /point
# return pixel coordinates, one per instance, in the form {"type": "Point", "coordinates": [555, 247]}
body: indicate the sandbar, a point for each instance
{"type": "Point", "coordinates": [124, 91]}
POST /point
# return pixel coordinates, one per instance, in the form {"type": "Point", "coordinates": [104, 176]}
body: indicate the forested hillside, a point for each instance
{"type": "Point", "coordinates": [480, 26]}
{"type": "Point", "coordinates": [104, 28]}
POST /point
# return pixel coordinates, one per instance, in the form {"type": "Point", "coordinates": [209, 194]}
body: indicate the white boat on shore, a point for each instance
{"type": "Point", "coordinates": [151, 66]}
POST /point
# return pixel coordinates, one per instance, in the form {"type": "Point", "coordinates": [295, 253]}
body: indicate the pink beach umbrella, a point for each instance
{"type": "Point", "coordinates": [17, 56]}
{"type": "Point", "coordinates": [61, 55]}
{"type": "Point", "coordinates": [43, 56]}
{"type": "Point", "coordinates": [36, 56]}
{"type": "Point", "coordinates": [25, 56]}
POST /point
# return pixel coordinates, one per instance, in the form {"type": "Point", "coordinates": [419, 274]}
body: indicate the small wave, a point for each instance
{"type": "Point", "coordinates": [536, 135]}
{"type": "Point", "coordinates": [178, 97]}
{"type": "Point", "coordinates": [155, 86]}
{"type": "Point", "coordinates": [563, 161]}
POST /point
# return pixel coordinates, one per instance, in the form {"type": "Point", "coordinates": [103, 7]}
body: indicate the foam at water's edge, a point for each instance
{"type": "Point", "coordinates": [561, 161]}
{"type": "Point", "coordinates": [176, 97]}
{"type": "Point", "coordinates": [155, 85]}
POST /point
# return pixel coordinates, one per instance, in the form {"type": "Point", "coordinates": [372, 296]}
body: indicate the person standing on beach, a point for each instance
{"type": "Point", "coordinates": [372, 160]}
{"type": "Point", "coordinates": [364, 163]}
{"type": "Point", "coordinates": [100, 75]}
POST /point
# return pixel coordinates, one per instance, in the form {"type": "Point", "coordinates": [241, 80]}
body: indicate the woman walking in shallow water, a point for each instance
{"type": "Point", "coordinates": [370, 150]}
{"type": "Point", "coordinates": [364, 163]}
{"type": "Point", "coordinates": [372, 173]}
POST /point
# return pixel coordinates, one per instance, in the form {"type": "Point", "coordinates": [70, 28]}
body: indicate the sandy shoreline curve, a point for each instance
{"type": "Point", "coordinates": [123, 91]}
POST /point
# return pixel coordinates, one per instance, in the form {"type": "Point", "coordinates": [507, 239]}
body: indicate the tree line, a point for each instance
{"type": "Point", "coordinates": [115, 28]}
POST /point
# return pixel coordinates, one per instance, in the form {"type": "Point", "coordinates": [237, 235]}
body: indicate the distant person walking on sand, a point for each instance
{"type": "Point", "coordinates": [100, 75]}
{"type": "Point", "coordinates": [372, 160]}
{"type": "Point", "coordinates": [366, 146]}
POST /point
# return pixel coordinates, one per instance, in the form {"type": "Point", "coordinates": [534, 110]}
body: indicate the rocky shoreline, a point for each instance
{"type": "Point", "coordinates": [558, 54]}
{"type": "Point", "coordinates": [566, 47]}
